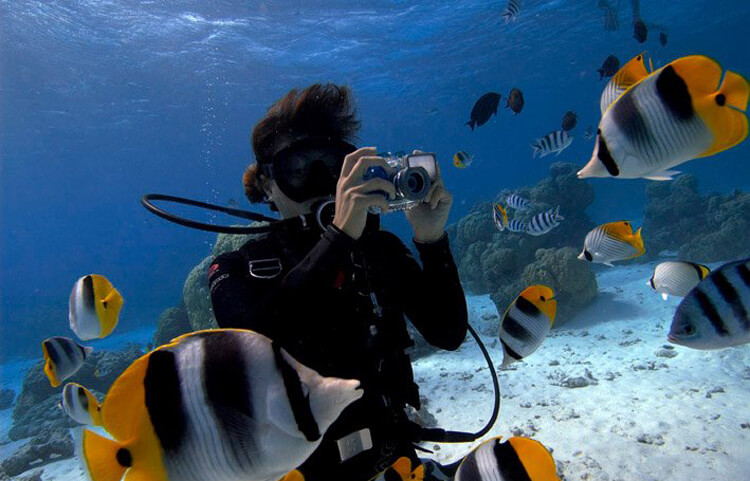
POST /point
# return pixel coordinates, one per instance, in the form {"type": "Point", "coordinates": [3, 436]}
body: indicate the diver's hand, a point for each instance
{"type": "Point", "coordinates": [354, 195]}
{"type": "Point", "coordinates": [429, 217]}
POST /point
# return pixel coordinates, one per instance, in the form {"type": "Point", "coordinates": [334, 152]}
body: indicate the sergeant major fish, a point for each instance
{"type": "Point", "coordinates": [220, 405]}
{"type": "Point", "coordinates": [94, 307]}
{"type": "Point", "coordinates": [674, 115]}
{"type": "Point", "coordinates": [517, 459]}
{"type": "Point", "coordinates": [511, 11]}
{"type": "Point", "coordinates": [555, 141]}
{"type": "Point", "coordinates": [81, 405]}
{"type": "Point", "coordinates": [716, 313]}
{"type": "Point", "coordinates": [544, 222]}
{"type": "Point", "coordinates": [614, 241]}
{"type": "Point", "coordinates": [526, 322]}
{"type": "Point", "coordinates": [515, 225]}
{"type": "Point", "coordinates": [63, 357]}
{"type": "Point", "coordinates": [517, 202]}
{"type": "Point", "coordinates": [677, 278]}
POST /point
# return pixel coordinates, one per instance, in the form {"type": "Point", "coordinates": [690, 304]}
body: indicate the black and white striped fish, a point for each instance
{"type": "Point", "coordinates": [215, 405]}
{"type": "Point", "coordinates": [511, 12]}
{"type": "Point", "coordinates": [517, 202]}
{"type": "Point", "coordinates": [63, 357]}
{"type": "Point", "coordinates": [677, 278]}
{"type": "Point", "coordinates": [517, 459]}
{"type": "Point", "coordinates": [716, 313]}
{"type": "Point", "coordinates": [680, 112]}
{"type": "Point", "coordinates": [81, 405]}
{"type": "Point", "coordinates": [544, 222]}
{"type": "Point", "coordinates": [515, 225]}
{"type": "Point", "coordinates": [555, 141]}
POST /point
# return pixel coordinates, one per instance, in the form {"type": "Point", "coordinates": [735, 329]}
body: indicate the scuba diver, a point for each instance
{"type": "Point", "coordinates": [334, 289]}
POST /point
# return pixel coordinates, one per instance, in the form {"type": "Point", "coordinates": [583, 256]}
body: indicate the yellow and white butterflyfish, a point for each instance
{"type": "Point", "coordinates": [526, 323]}
{"type": "Point", "coordinates": [677, 278]}
{"type": "Point", "coordinates": [614, 241]}
{"type": "Point", "coordinates": [63, 357]}
{"type": "Point", "coordinates": [680, 112]}
{"type": "Point", "coordinates": [81, 405]}
{"type": "Point", "coordinates": [221, 404]}
{"type": "Point", "coordinates": [515, 459]}
{"type": "Point", "coordinates": [94, 307]}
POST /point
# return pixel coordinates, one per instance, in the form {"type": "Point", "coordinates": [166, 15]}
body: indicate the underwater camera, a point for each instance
{"type": "Point", "coordinates": [412, 177]}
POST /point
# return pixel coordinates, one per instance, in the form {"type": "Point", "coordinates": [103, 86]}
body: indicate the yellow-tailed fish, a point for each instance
{"type": "Point", "coordinates": [401, 470]}
{"type": "Point", "coordinates": [526, 322]}
{"type": "Point", "coordinates": [630, 74]}
{"type": "Point", "coordinates": [94, 307]}
{"type": "Point", "coordinates": [63, 357]}
{"type": "Point", "coordinates": [232, 396]}
{"type": "Point", "coordinates": [614, 241]}
{"type": "Point", "coordinates": [677, 278]}
{"type": "Point", "coordinates": [515, 459]}
{"type": "Point", "coordinates": [81, 405]}
{"type": "Point", "coordinates": [716, 313]}
{"type": "Point", "coordinates": [499, 217]}
{"type": "Point", "coordinates": [462, 160]}
{"type": "Point", "coordinates": [678, 113]}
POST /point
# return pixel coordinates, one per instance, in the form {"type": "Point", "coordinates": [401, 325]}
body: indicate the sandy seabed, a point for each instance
{"type": "Point", "coordinates": [605, 392]}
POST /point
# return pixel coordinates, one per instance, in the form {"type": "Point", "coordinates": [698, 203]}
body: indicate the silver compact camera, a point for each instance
{"type": "Point", "coordinates": [412, 177]}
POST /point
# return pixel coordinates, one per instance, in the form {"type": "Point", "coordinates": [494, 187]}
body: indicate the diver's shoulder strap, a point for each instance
{"type": "Point", "coordinates": [263, 257]}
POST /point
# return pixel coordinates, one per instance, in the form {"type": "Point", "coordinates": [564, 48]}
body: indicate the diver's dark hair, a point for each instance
{"type": "Point", "coordinates": [320, 111]}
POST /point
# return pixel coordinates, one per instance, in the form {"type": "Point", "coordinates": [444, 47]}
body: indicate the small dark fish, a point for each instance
{"type": "Point", "coordinates": [569, 121]}
{"type": "Point", "coordinates": [610, 67]}
{"type": "Point", "coordinates": [663, 39]}
{"type": "Point", "coordinates": [640, 31]}
{"type": "Point", "coordinates": [483, 109]}
{"type": "Point", "coordinates": [515, 101]}
{"type": "Point", "coordinates": [611, 18]}
{"type": "Point", "coordinates": [589, 133]}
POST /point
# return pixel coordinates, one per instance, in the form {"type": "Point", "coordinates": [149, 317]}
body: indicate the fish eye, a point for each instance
{"type": "Point", "coordinates": [689, 330]}
{"type": "Point", "coordinates": [542, 298]}
{"type": "Point", "coordinates": [639, 57]}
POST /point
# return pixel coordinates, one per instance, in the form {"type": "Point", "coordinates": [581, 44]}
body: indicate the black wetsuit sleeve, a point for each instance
{"type": "Point", "coordinates": [432, 296]}
{"type": "Point", "coordinates": [242, 301]}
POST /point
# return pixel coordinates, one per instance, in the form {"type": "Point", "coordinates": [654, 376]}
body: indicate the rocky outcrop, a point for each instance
{"type": "Point", "coordinates": [504, 263]}
{"type": "Point", "coordinates": [44, 448]}
{"type": "Point", "coordinates": [173, 322]}
{"type": "Point", "coordinates": [36, 410]}
{"type": "Point", "coordinates": [700, 228]}
{"type": "Point", "coordinates": [6, 398]}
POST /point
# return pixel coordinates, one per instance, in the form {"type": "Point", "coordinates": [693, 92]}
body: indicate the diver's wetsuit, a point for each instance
{"type": "Point", "coordinates": [337, 305]}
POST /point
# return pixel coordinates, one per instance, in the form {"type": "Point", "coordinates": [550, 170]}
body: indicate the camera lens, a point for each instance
{"type": "Point", "coordinates": [413, 183]}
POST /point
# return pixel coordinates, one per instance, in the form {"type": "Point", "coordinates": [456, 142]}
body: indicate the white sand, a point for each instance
{"type": "Point", "coordinates": [644, 417]}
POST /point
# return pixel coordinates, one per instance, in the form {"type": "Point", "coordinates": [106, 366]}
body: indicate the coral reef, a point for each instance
{"type": "Point", "coordinates": [6, 398]}
{"type": "Point", "coordinates": [173, 322]}
{"type": "Point", "coordinates": [44, 448]}
{"type": "Point", "coordinates": [504, 263]}
{"type": "Point", "coordinates": [36, 410]}
{"type": "Point", "coordinates": [701, 228]}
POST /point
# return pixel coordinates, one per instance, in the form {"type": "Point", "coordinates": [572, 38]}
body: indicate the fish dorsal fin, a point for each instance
{"type": "Point", "coordinates": [629, 75]}
{"type": "Point", "coordinates": [124, 407]}
{"type": "Point", "coordinates": [620, 230]}
{"type": "Point", "coordinates": [705, 271]}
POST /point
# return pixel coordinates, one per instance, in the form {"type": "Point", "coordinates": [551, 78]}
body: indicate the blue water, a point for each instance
{"type": "Point", "coordinates": [103, 101]}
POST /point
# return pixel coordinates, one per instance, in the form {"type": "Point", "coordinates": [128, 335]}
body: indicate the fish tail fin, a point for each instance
{"type": "Point", "coordinates": [294, 475]}
{"type": "Point", "coordinates": [638, 243]}
{"type": "Point", "coordinates": [601, 73]}
{"type": "Point", "coordinates": [736, 90]}
{"type": "Point", "coordinates": [471, 123]}
{"type": "Point", "coordinates": [103, 459]}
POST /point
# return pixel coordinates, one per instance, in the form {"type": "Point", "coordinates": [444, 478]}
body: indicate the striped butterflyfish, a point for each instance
{"type": "Point", "coordinates": [544, 222]}
{"type": "Point", "coordinates": [81, 405]}
{"type": "Point", "coordinates": [517, 459]}
{"type": "Point", "coordinates": [554, 142]}
{"type": "Point", "coordinates": [499, 216]}
{"type": "Point", "coordinates": [526, 322]}
{"type": "Point", "coordinates": [630, 74]}
{"type": "Point", "coordinates": [716, 313]}
{"type": "Point", "coordinates": [214, 405]}
{"type": "Point", "coordinates": [63, 357]}
{"type": "Point", "coordinates": [515, 225]}
{"type": "Point", "coordinates": [677, 278]}
{"type": "Point", "coordinates": [680, 112]}
{"type": "Point", "coordinates": [94, 307]}
{"type": "Point", "coordinates": [613, 241]}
